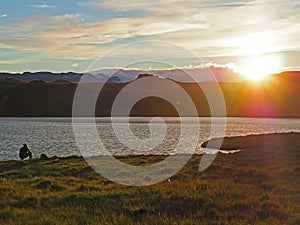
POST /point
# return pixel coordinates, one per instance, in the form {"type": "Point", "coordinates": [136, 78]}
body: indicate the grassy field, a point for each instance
{"type": "Point", "coordinates": [255, 186]}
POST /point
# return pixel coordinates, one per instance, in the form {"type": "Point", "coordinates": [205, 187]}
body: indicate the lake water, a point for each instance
{"type": "Point", "coordinates": [54, 136]}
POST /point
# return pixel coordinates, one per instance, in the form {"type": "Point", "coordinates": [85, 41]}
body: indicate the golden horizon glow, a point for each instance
{"type": "Point", "coordinates": [258, 67]}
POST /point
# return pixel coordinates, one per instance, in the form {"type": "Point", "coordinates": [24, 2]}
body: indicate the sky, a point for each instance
{"type": "Point", "coordinates": [62, 36]}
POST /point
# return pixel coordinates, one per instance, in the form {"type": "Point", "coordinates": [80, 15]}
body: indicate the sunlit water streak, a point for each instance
{"type": "Point", "coordinates": [54, 136]}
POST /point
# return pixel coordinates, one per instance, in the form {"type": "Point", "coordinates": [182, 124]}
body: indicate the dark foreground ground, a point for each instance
{"type": "Point", "coordinates": [259, 185]}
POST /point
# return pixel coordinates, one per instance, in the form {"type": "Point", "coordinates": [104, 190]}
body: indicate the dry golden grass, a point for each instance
{"type": "Point", "coordinates": [250, 187]}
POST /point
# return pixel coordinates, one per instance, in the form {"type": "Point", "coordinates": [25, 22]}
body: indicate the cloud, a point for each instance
{"type": "Point", "coordinates": [208, 27]}
{"type": "Point", "coordinates": [65, 33]}
{"type": "Point", "coordinates": [151, 6]}
{"type": "Point", "coordinates": [8, 62]}
{"type": "Point", "coordinates": [201, 25]}
{"type": "Point", "coordinates": [41, 6]}
{"type": "Point", "coordinates": [3, 15]}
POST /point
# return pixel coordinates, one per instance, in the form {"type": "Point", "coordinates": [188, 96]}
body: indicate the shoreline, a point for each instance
{"type": "Point", "coordinates": [249, 142]}
{"type": "Point", "coordinates": [230, 145]}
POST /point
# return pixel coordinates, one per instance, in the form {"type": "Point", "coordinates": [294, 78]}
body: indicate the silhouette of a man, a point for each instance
{"type": "Point", "coordinates": [25, 152]}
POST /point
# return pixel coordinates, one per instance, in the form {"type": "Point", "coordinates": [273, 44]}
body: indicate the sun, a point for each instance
{"type": "Point", "coordinates": [257, 68]}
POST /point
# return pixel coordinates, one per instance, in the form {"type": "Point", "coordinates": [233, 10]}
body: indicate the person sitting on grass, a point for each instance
{"type": "Point", "coordinates": [25, 152]}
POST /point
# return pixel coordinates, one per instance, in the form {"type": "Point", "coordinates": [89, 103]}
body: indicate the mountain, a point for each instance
{"type": "Point", "coordinates": [127, 75]}
{"type": "Point", "coordinates": [44, 76]}
{"type": "Point", "coordinates": [291, 76]}
{"type": "Point", "coordinates": [277, 97]}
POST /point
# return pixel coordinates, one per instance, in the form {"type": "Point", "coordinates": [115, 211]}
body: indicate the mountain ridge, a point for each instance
{"type": "Point", "coordinates": [123, 76]}
{"type": "Point", "coordinates": [276, 98]}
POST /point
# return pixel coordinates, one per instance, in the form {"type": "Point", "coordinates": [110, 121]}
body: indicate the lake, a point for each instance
{"type": "Point", "coordinates": [54, 136]}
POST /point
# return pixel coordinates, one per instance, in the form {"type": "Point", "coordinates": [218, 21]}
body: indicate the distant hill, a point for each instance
{"type": "Point", "coordinates": [127, 75]}
{"type": "Point", "coordinates": [277, 97]}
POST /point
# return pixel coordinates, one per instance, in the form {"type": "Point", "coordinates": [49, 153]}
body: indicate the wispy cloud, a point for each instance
{"type": "Point", "coordinates": [208, 27]}
{"type": "Point", "coordinates": [224, 24]}
{"type": "Point", "coordinates": [8, 62]}
{"type": "Point", "coordinates": [41, 6]}
{"type": "Point", "coordinates": [3, 15]}
{"type": "Point", "coordinates": [65, 33]}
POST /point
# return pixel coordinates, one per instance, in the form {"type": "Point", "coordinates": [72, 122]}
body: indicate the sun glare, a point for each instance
{"type": "Point", "coordinates": [259, 64]}
{"type": "Point", "coordinates": [257, 68]}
